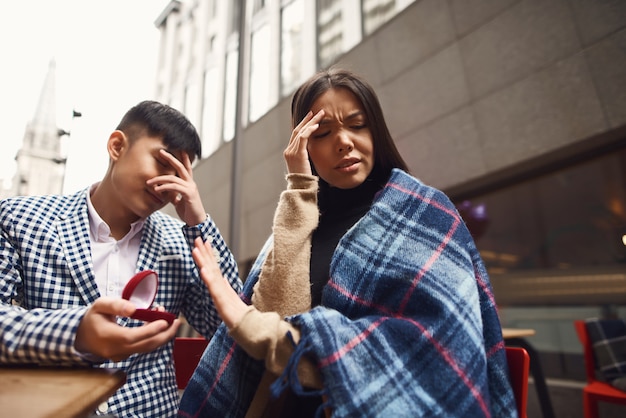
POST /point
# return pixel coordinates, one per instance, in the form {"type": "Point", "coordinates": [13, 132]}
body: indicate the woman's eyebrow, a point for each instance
{"type": "Point", "coordinates": [352, 115]}
{"type": "Point", "coordinates": [355, 114]}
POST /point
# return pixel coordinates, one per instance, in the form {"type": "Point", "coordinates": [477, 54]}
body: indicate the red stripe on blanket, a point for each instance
{"type": "Point", "coordinates": [352, 343]}
{"type": "Point", "coordinates": [485, 287]}
{"type": "Point", "coordinates": [220, 372]}
{"type": "Point", "coordinates": [448, 358]}
{"type": "Point", "coordinates": [435, 256]}
{"type": "Point", "coordinates": [444, 353]}
{"type": "Point", "coordinates": [493, 350]}
{"type": "Point", "coordinates": [364, 302]}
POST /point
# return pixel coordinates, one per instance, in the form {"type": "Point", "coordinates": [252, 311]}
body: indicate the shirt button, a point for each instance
{"type": "Point", "coordinates": [216, 253]}
{"type": "Point", "coordinates": [103, 407]}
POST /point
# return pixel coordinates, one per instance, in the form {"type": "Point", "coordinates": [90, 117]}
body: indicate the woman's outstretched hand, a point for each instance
{"type": "Point", "coordinates": [228, 304]}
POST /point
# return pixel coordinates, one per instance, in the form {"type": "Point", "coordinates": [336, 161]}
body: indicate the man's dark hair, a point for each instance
{"type": "Point", "coordinates": [160, 120]}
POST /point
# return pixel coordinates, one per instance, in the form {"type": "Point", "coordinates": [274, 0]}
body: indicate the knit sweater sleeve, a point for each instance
{"type": "Point", "coordinates": [284, 281]}
{"type": "Point", "coordinates": [283, 286]}
{"type": "Point", "coordinates": [266, 336]}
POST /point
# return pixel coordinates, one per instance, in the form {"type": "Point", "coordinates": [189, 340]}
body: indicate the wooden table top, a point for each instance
{"type": "Point", "coordinates": [55, 392]}
{"type": "Point", "coordinates": [517, 332]}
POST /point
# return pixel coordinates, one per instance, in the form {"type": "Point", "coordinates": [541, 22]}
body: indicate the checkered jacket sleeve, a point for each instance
{"type": "Point", "coordinates": [41, 333]}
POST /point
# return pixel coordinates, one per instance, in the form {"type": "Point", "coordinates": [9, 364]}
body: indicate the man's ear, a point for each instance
{"type": "Point", "coordinates": [116, 145]}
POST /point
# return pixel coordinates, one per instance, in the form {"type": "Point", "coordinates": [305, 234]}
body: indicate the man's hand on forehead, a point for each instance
{"type": "Point", "coordinates": [181, 187]}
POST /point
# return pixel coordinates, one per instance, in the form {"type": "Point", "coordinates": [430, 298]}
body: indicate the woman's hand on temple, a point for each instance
{"type": "Point", "coordinates": [296, 155]}
{"type": "Point", "coordinates": [228, 304]}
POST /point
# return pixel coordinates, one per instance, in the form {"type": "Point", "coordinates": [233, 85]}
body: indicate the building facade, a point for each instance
{"type": "Point", "coordinates": [515, 108]}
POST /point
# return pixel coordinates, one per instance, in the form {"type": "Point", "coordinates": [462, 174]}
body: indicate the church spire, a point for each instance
{"type": "Point", "coordinates": [45, 114]}
{"type": "Point", "coordinates": [40, 165]}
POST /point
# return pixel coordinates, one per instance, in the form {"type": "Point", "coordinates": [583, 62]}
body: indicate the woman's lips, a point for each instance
{"type": "Point", "coordinates": [348, 165]}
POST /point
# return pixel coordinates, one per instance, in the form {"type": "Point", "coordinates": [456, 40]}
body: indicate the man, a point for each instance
{"type": "Point", "coordinates": [64, 261]}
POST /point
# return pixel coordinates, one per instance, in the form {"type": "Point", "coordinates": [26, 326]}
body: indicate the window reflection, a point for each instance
{"type": "Point", "coordinates": [230, 94]}
{"type": "Point", "coordinates": [260, 96]}
{"type": "Point", "coordinates": [377, 12]}
{"type": "Point", "coordinates": [569, 219]}
{"type": "Point", "coordinates": [210, 111]}
{"type": "Point", "coordinates": [292, 47]}
{"type": "Point", "coordinates": [330, 31]}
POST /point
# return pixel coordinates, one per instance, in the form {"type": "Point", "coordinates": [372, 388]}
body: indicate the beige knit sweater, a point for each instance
{"type": "Point", "coordinates": [283, 289]}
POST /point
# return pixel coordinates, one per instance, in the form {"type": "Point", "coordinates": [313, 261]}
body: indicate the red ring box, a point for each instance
{"type": "Point", "coordinates": [141, 290]}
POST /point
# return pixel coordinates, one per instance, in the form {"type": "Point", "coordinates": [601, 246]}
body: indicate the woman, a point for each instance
{"type": "Point", "coordinates": [400, 319]}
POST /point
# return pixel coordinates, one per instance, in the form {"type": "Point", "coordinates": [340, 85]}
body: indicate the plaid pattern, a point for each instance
{"type": "Point", "coordinates": [608, 337]}
{"type": "Point", "coordinates": [408, 325]}
{"type": "Point", "coordinates": [46, 284]}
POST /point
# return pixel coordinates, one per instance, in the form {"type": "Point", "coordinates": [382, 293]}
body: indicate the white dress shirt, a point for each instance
{"type": "Point", "coordinates": [114, 261]}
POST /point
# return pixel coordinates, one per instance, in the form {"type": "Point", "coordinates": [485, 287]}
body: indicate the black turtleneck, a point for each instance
{"type": "Point", "coordinates": [340, 209]}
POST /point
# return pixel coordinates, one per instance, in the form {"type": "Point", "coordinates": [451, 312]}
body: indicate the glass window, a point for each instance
{"type": "Point", "coordinates": [555, 248]}
{"type": "Point", "coordinates": [569, 219]}
{"type": "Point", "coordinates": [230, 95]}
{"type": "Point", "coordinates": [330, 31]}
{"type": "Point", "coordinates": [235, 11]}
{"type": "Point", "coordinates": [212, 9]}
{"type": "Point", "coordinates": [377, 12]}
{"type": "Point", "coordinates": [210, 112]}
{"type": "Point", "coordinates": [260, 97]}
{"type": "Point", "coordinates": [192, 104]}
{"type": "Point", "coordinates": [292, 47]}
{"type": "Point", "coordinates": [258, 5]}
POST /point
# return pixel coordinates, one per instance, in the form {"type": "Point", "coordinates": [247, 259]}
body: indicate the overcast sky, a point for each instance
{"type": "Point", "coordinates": [105, 53]}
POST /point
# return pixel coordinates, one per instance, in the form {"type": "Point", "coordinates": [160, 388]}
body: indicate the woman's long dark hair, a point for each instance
{"type": "Point", "coordinates": [386, 154]}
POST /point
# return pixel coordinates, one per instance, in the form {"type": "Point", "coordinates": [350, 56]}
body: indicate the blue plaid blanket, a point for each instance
{"type": "Point", "coordinates": [408, 325]}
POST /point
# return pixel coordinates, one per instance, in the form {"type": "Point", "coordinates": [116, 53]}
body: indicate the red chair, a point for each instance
{"type": "Point", "coordinates": [595, 390]}
{"type": "Point", "coordinates": [519, 366]}
{"type": "Point", "coordinates": [187, 354]}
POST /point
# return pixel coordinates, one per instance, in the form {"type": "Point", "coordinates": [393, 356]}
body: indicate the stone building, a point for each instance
{"type": "Point", "coordinates": [515, 108]}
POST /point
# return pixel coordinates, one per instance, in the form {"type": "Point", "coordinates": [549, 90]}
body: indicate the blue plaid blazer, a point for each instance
{"type": "Point", "coordinates": [47, 282]}
{"type": "Point", "coordinates": [407, 327]}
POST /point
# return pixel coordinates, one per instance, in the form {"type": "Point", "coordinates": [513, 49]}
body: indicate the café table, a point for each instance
{"type": "Point", "coordinates": [41, 392]}
{"type": "Point", "coordinates": [516, 337]}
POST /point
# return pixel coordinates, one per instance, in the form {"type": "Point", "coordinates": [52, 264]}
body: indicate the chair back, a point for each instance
{"type": "Point", "coordinates": [519, 366]}
{"type": "Point", "coordinates": [187, 354]}
{"type": "Point", "coordinates": [590, 362]}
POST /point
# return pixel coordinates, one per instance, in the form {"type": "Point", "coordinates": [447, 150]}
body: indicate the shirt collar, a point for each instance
{"type": "Point", "coordinates": [100, 230]}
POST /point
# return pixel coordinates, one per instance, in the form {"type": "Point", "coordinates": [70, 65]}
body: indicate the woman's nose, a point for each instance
{"type": "Point", "coordinates": [344, 143]}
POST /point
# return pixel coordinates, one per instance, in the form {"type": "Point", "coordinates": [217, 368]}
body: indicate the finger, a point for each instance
{"type": "Point", "coordinates": [146, 338]}
{"type": "Point", "coordinates": [203, 249]}
{"type": "Point", "coordinates": [187, 163]}
{"type": "Point", "coordinates": [180, 167]}
{"type": "Point", "coordinates": [224, 297]}
{"type": "Point", "coordinates": [313, 124]}
{"type": "Point", "coordinates": [300, 135]}
{"type": "Point", "coordinates": [304, 121]}
{"type": "Point", "coordinates": [308, 120]}
{"type": "Point", "coordinates": [295, 133]}
{"type": "Point", "coordinates": [209, 269]}
{"type": "Point", "coordinates": [201, 254]}
{"type": "Point", "coordinates": [113, 306]}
